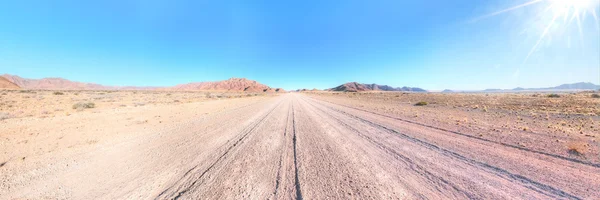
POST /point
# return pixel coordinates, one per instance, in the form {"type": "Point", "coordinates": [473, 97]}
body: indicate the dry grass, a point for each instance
{"type": "Point", "coordinates": [82, 105]}
{"type": "Point", "coordinates": [577, 148]}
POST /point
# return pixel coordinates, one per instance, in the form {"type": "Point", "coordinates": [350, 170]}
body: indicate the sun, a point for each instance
{"type": "Point", "coordinates": [570, 11]}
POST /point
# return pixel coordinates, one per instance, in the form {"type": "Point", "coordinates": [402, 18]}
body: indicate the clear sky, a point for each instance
{"type": "Point", "coordinates": [442, 44]}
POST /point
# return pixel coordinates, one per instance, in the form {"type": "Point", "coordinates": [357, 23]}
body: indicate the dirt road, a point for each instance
{"type": "Point", "coordinates": [286, 147]}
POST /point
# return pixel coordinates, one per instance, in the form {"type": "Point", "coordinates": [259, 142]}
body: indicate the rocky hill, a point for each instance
{"type": "Point", "coordinates": [6, 84]}
{"type": "Point", "coordinates": [358, 87]}
{"type": "Point", "coordinates": [232, 84]}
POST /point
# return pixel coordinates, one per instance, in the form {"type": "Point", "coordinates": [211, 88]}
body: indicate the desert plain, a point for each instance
{"type": "Point", "coordinates": [105, 144]}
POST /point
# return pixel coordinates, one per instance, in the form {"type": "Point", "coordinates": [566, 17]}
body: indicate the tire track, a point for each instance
{"type": "Point", "coordinates": [297, 180]}
{"type": "Point", "coordinates": [596, 165]}
{"type": "Point", "coordinates": [283, 152]}
{"type": "Point", "coordinates": [527, 182]}
{"type": "Point", "coordinates": [407, 161]}
{"type": "Point", "coordinates": [184, 188]}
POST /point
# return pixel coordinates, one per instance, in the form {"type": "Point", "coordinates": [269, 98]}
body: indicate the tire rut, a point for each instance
{"type": "Point", "coordinates": [283, 153]}
{"type": "Point", "coordinates": [420, 170]}
{"type": "Point", "coordinates": [184, 188]}
{"type": "Point", "coordinates": [596, 165]}
{"type": "Point", "coordinates": [527, 182]}
{"type": "Point", "coordinates": [297, 179]}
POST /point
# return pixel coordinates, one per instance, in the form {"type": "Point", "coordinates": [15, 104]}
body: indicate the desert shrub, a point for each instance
{"type": "Point", "coordinates": [421, 103]}
{"type": "Point", "coordinates": [82, 105]}
{"type": "Point", "coordinates": [27, 91]}
{"type": "Point", "coordinates": [4, 116]}
{"type": "Point", "coordinates": [58, 93]}
{"type": "Point", "coordinates": [595, 95]}
{"type": "Point", "coordinates": [576, 148]}
{"type": "Point", "coordinates": [553, 96]}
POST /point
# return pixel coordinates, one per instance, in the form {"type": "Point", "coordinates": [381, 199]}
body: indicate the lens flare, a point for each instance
{"type": "Point", "coordinates": [570, 11]}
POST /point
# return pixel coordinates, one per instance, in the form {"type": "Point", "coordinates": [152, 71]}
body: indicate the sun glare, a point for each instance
{"type": "Point", "coordinates": [570, 11]}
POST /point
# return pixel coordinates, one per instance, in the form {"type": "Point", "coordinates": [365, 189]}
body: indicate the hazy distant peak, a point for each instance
{"type": "Point", "coordinates": [356, 87]}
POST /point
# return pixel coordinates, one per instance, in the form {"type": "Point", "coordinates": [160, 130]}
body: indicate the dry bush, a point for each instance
{"type": "Point", "coordinates": [4, 116]}
{"type": "Point", "coordinates": [595, 95]}
{"type": "Point", "coordinates": [58, 93]}
{"type": "Point", "coordinates": [576, 148]}
{"type": "Point", "coordinates": [82, 105]}
{"type": "Point", "coordinates": [421, 103]}
{"type": "Point", "coordinates": [553, 96]}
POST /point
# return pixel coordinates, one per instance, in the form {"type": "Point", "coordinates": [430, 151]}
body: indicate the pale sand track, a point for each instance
{"type": "Point", "coordinates": [286, 147]}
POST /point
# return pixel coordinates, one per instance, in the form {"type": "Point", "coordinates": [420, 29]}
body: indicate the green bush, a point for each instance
{"type": "Point", "coordinates": [421, 103]}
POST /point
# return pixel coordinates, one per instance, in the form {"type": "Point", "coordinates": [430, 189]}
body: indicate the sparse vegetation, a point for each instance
{"type": "Point", "coordinates": [421, 103]}
{"type": "Point", "coordinates": [58, 93]}
{"type": "Point", "coordinates": [4, 116]}
{"type": "Point", "coordinates": [83, 105]}
{"type": "Point", "coordinates": [553, 96]}
{"type": "Point", "coordinates": [576, 148]}
{"type": "Point", "coordinates": [595, 95]}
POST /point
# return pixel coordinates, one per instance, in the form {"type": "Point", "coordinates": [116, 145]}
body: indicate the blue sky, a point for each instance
{"type": "Point", "coordinates": [301, 44]}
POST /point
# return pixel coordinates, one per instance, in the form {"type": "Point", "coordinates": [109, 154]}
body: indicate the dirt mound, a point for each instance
{"type": "Point", "coordinates": [358, 87]}
{"type": "Point", "coordinates": [232, 84]}
{"type": "Point", "coordinates": [5, 83]}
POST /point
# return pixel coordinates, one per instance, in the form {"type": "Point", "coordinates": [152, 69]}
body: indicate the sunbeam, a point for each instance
{"type": "Point", "coordinates": [568, 10]}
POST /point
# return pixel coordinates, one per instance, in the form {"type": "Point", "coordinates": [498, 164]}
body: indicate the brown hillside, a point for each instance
{"type": "Point", "coordinates": [62, 84]}
{"type": "Point", "coordinates": [351, 87]}
{"type": "Point", "coordinates": [358, 87]}
{"type": "Point", "coordinates": [53, 84]}
{"type": "Point", "coordinates": [232, 84]}
{"type": "Point", "coordinates": [6, 84]}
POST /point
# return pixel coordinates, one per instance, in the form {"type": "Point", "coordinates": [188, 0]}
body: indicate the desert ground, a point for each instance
{"type": "Point", "coordinates": [302, 145]}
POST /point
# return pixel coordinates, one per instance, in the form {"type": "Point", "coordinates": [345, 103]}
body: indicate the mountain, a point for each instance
{"type": "Point", "coordinates": [578, 86]}
{"type": "Point", "coordinates": [53, 84]}
{"type": "Point", "coordinates": [6, 84]}
{"type": "Point", "coordinates": [572, 86]}
{"type": "Point", "coordinates": [447, 91]}
{"type": "Point", "coordinates": [357, 87]}
{"type": "Point", "coordinates": [232, 84]}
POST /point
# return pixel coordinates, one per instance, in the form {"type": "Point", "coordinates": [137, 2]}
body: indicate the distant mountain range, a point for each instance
{"type": "Point", "coordinates": [62, 84]}
{"type": "Point", "coordinates": [572, 86]}
{"type": "Point", "coordinates": [232, 84]}
{"type": "Point", "coordinates": [8, 81]}
{"type": "Point", "coordinates": [359, 87]}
